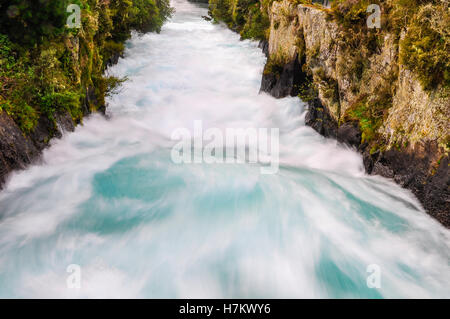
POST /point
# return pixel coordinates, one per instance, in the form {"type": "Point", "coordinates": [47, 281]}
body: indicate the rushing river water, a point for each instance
{"type": "Point", "coordinates": [110, 199]}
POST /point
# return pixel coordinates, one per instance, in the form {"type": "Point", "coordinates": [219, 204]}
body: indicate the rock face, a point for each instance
{"type": "Point", "coordinates": [49, 85]}
{"type": "Point", "coordinates": [17, 150]}
{"type": "Point", "coordinates": [411, 169]}
{"type": "Point", "coordinates": [411, 142]}
{"type": "Point", "coordinates": [286, 83]}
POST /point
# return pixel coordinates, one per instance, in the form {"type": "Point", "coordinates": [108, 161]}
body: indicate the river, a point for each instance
{"type": "Point", "coordinates": [109, 200]}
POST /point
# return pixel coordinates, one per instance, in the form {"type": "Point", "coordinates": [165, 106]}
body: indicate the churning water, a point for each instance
{"type": "Point", "coordinates": [110, 199]}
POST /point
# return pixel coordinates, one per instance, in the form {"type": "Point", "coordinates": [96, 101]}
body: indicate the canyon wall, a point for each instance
{"type": "Point", "coordinates": [410, 142]}
{"type": "Point", "coordinates": [360, 93]}
{"type": "Point", "coordinates": [52, 77]}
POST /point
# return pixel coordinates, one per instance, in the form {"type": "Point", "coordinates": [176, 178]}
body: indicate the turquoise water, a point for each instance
{"type": "Point", "coordinates": [110, 199]}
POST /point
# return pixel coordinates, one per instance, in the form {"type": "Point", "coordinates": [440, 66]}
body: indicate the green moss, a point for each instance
{"type": "Point", "coordinates": [425, 49]}
{"type": "Point", "coordinates": [110, 48]}
{"type": "Point", "coordinates": [248, 17]}
{"type": "Point", "coordinates": [331, 90]}
{"type": "Point", "coordinates": [361, 112]}
{"type": "Point", "coordinates": [351, 14]}
{"type": "Point", "coordinates": [425, 46]}
{"type": "Point", "coordinates": [24, 115]}
{"type": "Point", "coordinates": [256, 25]}
{"type": "Point", "coordinates": [307, 90]}
{"type": "Point", "coordinates": [52, 73]}
{"type": "Point", "coordinates": [273, 66]}
{"type": "Point", "coordinates": [62, 101]}
{"type": "Point", "coordinates": [302, 1]}
{"type": "Point", "coordinates": [314, 52]}
{"type": "Point", "coordinates": [222, 10]}
{"type": "Point", "coordinates": [328, 87]}
{"type": "Point", "coordinates": [287, 15]}
{"type": "Point", "coordinates": [370, 112]}
{"type": "Point", "coordinates": [357, 41]}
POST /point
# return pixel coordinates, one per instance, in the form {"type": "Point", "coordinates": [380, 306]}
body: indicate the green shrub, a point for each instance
{"type": "Point", "coordinates": [221, 10]}
{"type": "Point", "coordinates": [110, 48]}
{"type": "Point", "coordinates": [257, 24]}
{"type": "Point", "coordinates": [24, 115]}
{"type": "Point", "coordinates": [61, 101]}
{"type": "Point", "coordinates": [30, 22]}
{"type": "Point", "coordinates": [46, 68]}
{"type": "Point", "coordinates": [248, 17]}
{"type": "Point", "coordinates": [351, 14]}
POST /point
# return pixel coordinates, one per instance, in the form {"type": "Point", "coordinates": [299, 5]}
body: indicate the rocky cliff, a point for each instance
{"type": "Point", "coordinates": [51, 77]}
{"type": "Point", "coordinates": [361, 90]}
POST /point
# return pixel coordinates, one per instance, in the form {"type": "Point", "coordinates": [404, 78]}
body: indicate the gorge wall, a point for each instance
{"type": "Point", "coordinates": [360, 87]}
{"type": "Point", "coordinates": [52, 76]}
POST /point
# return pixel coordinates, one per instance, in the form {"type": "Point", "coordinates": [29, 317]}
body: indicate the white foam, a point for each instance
{"type": "Point", "coordinates": [110, 191]}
